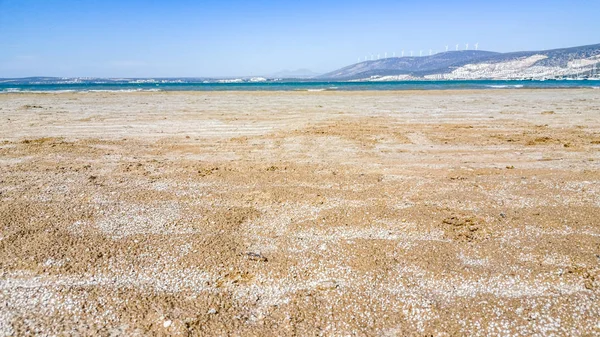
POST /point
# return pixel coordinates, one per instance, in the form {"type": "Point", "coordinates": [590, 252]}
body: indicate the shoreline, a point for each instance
{"type": "Point", "coordinates": [298, 91]}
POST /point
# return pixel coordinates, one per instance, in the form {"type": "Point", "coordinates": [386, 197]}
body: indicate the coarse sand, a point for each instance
{"type": "Point", "coordinates": [370, 213]}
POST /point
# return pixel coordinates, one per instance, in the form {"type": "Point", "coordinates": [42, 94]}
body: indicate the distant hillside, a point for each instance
{"type": "Point", "coordinates": [472, 64]}
{"type": "Point", "coordinates": [415, 66]}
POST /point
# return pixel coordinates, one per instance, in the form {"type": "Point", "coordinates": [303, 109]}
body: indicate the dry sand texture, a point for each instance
{"type": "Point", "coordinates": [300, 213]}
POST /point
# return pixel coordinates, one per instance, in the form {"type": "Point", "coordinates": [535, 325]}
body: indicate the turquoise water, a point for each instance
{"type": "Point", "coordinates": [177, 85]}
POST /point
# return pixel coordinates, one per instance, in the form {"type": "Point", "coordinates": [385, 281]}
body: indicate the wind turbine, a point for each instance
{"type": "Point", "coordinates": [411, 53]}
{"type": "Point", "coordinates": [456, 47]}
{"type": "Point", "coordinates": [394, 54]}
{"type": "Point", "coordinates": [371, 57]}
{"type": "Point", "coordinates": [385, 55]}
{"type": "Point", "coordinates": [477, 46]}
{"type": "Point", "coordinates": [429, 52]}
{"type": "Point", "coordinates": [378, 56]}
{"type": "Point", "coordinates": [446, 48]}
{"type": "Point", "coordinates": [467, 46]}
{"type": "Point", "coordinates": [402, 52]}
{"type": "Point", "coordinates": [420, 53]}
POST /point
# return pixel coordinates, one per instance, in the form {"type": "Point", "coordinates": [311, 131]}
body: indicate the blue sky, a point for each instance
{"type": "Point", "coordinates": [151, 38]}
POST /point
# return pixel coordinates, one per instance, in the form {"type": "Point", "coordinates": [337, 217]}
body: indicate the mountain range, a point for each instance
{"type": "Point", "coordinates": [477, 64]}
{"type": "Point", "coordinates": [576, 62]}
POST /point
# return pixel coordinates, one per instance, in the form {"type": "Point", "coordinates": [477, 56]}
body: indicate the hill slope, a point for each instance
{"type": "Point", "coordinates": [472, 64]}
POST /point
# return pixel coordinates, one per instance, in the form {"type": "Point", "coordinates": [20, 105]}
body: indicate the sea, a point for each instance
{"type": "Point", "coordinates": [132, 85]}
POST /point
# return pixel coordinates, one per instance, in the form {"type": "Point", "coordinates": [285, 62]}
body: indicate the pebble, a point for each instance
{"type": "Point", "coordinates": [327, 285]}
{"type": "Point", "coordinates": [256, 257]}
{"type": "Point", "coordinates": [167, 323]}
{"type": "Point", "coordinates": [212, 311]}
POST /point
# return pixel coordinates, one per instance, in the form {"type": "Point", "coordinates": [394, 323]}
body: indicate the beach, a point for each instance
{"type": "Point", "coordinates": [389, 213]}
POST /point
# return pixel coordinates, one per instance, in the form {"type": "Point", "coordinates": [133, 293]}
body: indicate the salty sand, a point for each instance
{"type": "Point", "coordinates": [300, 213]}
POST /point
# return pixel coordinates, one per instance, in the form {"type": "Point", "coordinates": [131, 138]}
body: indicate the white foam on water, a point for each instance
{"type": "Point", "coordinates": [122, 90]}
{"type": "Point", "coordinates": [7, 90]}
{"type": "Point", "coordinates": [16, 90]}
{"type": "Point", "coordinates": [504, 86]}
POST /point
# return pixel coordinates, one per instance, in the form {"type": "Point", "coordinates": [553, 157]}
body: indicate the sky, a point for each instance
{"type": "Point", "coordinates": [181, 38]}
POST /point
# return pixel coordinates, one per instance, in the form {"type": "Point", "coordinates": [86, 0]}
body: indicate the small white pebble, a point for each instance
{"type": "Point", "coordinates": [167, 323]}
{"type": "Point", "coordinates": [212, 311]}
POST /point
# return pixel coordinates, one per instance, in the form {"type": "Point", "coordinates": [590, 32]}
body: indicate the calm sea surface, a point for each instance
{"type": "Point", "coordinates": [162, 85]}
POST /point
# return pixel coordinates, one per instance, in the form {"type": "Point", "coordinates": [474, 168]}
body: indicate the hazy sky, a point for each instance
{"type": "Point", "coordinates": [126, 38]}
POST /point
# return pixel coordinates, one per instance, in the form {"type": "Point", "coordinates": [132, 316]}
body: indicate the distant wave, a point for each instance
{"type": "Point", "coordinates": [310, 90]}
{"type": "Point", "coordinates": [17, 90]}
{"type": "Point", "coordinates": [121, 90]}
{"type": "Point", "coordinates": [504, 86]}
{"type": "Point", "coordinates": [318, 89]}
